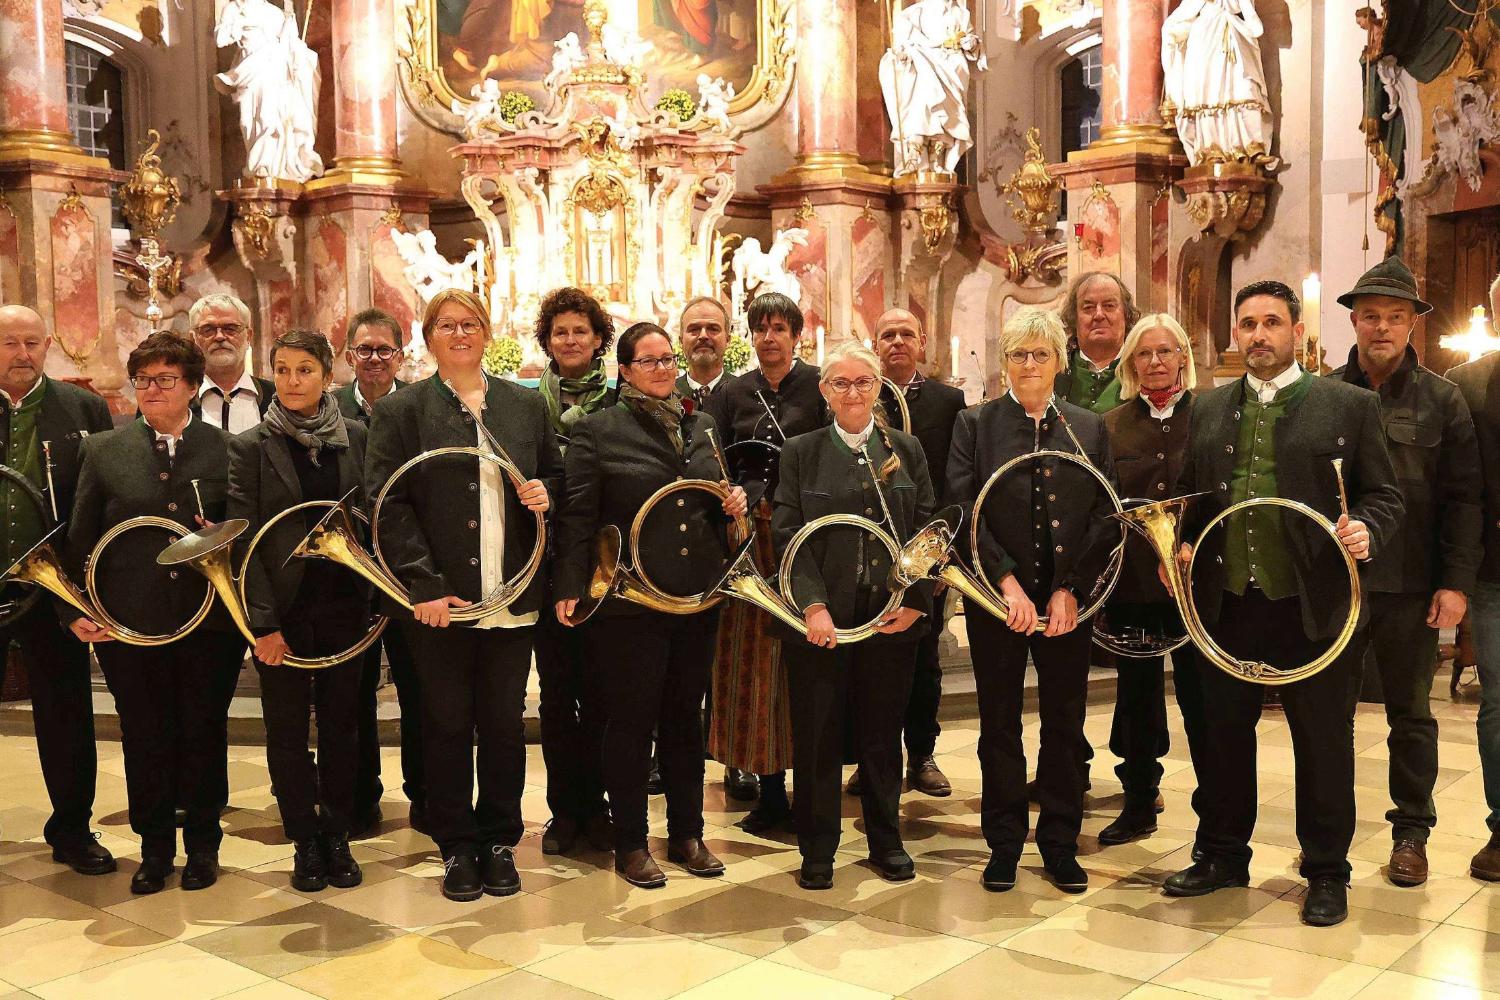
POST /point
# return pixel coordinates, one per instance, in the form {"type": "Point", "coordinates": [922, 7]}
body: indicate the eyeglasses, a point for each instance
{"type": "Point", "coordinates": [214, 329]}
{"type": "Point", "coordinates": [1040, 355]}
{"type": "Point", "coordinates": [365, 352]}
{"type": "Point", "coordinates": [144, 382]}
{"type": "Point", "coordinates": [862, 384]}
{"type": "Point", "coordinates": [1146, 357]}
{"type": "Point", "coordinates": [656, 364]}
{"type": "Point", "coordinates": [470, 327]}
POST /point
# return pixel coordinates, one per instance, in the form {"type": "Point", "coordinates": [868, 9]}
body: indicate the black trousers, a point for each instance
{"type": "Point", "coordinates": [473, 683]}
{"type": "Point", "coordinates": [1404, 649]}
{"type": "Point", "coordinates": [849, 696]}
{"type": "Point", "coordinates": [1138, 732]}
{"type": "Point", "coordinates": [173, 702]}
{"type": "Point", "coordinates": [1187, 684]}
{"type": "Point", "coordinates": [1317, 711]}
{"type": "Point", "coordinates": [573, 718]}
{"type": "Point", "coordinates": [653, 669]}
{"type": "Point", "coordinates": [368, 787]}
{"type": "Point", "coordinates": [62, 703]}
{"type": "Point", "coordinates": [314, 797]}
{"type": "Point", "coordinates": [921, 727]}
{"type": "Point", "coordinates": [1062, 668]}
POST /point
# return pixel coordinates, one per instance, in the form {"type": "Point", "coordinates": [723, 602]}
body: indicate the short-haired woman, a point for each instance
{"type": "Point", "coordinates": [574, 332]}
{"type": "Point", "coordinates": [853, 694]}
{"type": "Point", "coordinates": [1045, 564]}
{"type": "Point", "coordinates": [453, 531]}
{"type": "Point", "coordinates": [1148, 437]}
{"type": "Point", "coordinates": [173, 700]}
{"type": "Point", "coordinates": [304, 450]}
{"type": "Point", "coordinates": [651, 666]}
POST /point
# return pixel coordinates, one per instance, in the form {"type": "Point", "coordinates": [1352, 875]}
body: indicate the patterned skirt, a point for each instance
{"type": "Point", "coordinates": [750, 726]}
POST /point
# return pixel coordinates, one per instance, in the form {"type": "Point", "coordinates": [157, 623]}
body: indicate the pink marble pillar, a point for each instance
{"type": "Point", "coordinates": [827, 93]}
{"type": "Point", "coordinates": [1132, 69]}
{"type": "Point", "coordinates": [365, 86]}
{"type": "Point", "coordinates": [33, 87]}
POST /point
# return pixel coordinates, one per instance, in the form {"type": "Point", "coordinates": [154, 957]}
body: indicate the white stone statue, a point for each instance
{"type": "Point", "coordinates": [1215, 82]}
{"type": "Point", "coordinates": [756, 271]}
{"type": "Point", "coordinates": [624, 46]}
{"type": "Point", "coordinates": [428, 271]}
{"type": "Point", "coordinates": [275, 84]}
{"type": "Point", "coordinates": [924, 77]}
{"type": "Point", "coordinates": [482, 113]}
{"type": "Point", "coordinates": [714, 95]}
{"type": "Point", "coordinates": [1402, 95]}
{"type": "Point", "coordinates": [567, 55]}
{"type": "Point", "coordinates": [1460, 131]}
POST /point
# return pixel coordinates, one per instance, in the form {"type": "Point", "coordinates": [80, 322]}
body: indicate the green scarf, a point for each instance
{"type": "Point", "coordinates": [591, 391]}
{"type": "Point", "coordinates": [666, 412]}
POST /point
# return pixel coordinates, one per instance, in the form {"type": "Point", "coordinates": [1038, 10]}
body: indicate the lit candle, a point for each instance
{"type": "Point", "coordinates": [1477, 341]}
{"type": "Point", "coordinates": [819, 335]}
{"type": "Point", "coordinates": [1312, 319]}
{"type": "Point", "coordinates": [953, 354]}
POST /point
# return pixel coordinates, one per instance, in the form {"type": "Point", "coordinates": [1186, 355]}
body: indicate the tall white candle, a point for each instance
{"type": "Point", "coordinates": [953, 354]}
{"type": "Point", "coordinates": [1312, 316]}
{"type": "Point", "coordinates": [819, 336]}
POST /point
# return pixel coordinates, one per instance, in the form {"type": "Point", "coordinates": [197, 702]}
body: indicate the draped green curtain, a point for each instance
{"type": "Point", "coordinates": [1422, 35]}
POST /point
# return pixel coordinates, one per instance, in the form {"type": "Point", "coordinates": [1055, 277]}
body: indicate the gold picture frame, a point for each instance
{"type": "Point", "coordinates": [438, 103]}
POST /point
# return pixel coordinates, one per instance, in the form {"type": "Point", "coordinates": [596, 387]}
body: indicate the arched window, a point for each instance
{"type": "Point", "coordinates": [95, 104]}
{"type": "Point", "coordinates": [1082, 80]}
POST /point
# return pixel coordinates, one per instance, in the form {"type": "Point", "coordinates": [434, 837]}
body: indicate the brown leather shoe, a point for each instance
{"type": "Point", "coordinates": [638, 868]}
{"type": "Point", "coordinates": [926, 777]}
{"type": "Point", "coordinates": [1408, 865]}
{"type": "Point", "coordinates": [1486, 864]}
{"type": "Point", "coordinates": [693, 855]}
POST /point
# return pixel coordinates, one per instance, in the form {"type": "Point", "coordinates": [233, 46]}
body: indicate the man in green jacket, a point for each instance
{"type": "Point", "coordinates": [1098, 311]}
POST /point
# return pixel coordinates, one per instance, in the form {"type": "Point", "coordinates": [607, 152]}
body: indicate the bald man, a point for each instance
{"type": "Point", "coordinates": [43, 422]}
{"type": "Point", "coordinates": [901, 344]}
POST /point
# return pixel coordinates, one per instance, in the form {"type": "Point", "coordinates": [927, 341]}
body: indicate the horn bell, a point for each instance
{"type": "Point", "coordinates": [336, 538]}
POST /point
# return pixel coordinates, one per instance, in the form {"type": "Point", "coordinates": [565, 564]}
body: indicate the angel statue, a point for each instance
{"type": "Point", "coordinates": [714, 95]}
{"type": "Point", "coordinates": [275, 84]}
{"type": "Point", "coordinates": [756, 271]}
{"type": "Point", "coordinates": [567, 55]}
{"type": "Point", "coordinates": [924, 77]}
{"type": "Point", "coordinates": [482, 114]}
{"type": "Point", "coordinates": [1215, 82]}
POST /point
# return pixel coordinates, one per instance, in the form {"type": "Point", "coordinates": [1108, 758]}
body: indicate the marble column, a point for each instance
{"type": "Point", "coordinates": [343, 255]}
{"type": "Point", "coordinates": [1132, 72]}
{"type": "Point", "coordinates": [55, 249]}
{"type": "Point", "coordinates": [827, 93]}
{"type": "Point", "coordinates": [365, 89]}
{"type": "Point", "coordinates": [33, 85]}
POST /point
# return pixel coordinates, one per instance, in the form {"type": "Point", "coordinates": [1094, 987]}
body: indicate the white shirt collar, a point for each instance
{"type": "Point", "coordinates": [246, 383]}
{"type": "Point", "coordinates": [171, 440]}
{"type": "Point", "coordinates": [709, 386]}
{"type": "Point", "coordinates": [35, 389]}
{"type": "Point", "coordinates": [1051, 402]}
{"type": "Point", "coordinates": [855, 441]}
{"type": "Point", "coordinates": [365, 404]}
{"type": "Point", "coordinates": [1266, 391]}
{"type": "Point", "coordinates": [1096, 369]}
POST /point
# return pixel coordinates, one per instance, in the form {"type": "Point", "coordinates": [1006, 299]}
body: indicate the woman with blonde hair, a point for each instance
{"type": "Point", "coordinates": [1046, 564]}
{"type": "Point", "coordinates": [1148, 436]}
{"type": "Point", "coordinates": [453, 530]}
{"type": "Point", "coordinates": [857, 466]}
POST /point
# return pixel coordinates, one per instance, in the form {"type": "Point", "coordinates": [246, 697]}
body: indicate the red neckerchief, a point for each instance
{"type": "Point", "coordinates": [1159, 398]}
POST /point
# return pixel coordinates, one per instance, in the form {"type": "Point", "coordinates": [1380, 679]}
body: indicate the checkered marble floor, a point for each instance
{"type": "Point", "coordinates": [577, 930]}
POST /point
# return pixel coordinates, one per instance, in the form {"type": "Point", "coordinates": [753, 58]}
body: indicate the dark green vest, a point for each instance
{"type": "Point", "coordinates": [1257, 549]}
{"type": "Point", "coordinates": [1097, 391]}
{"type": "Point", "coordinates": [23, 452]}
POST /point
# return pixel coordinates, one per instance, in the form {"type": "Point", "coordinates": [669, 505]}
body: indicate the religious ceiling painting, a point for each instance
{"type": "Point", "coordinates": [457, 44]}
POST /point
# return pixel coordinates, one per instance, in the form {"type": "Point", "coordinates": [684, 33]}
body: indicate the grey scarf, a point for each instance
{"type": "Point", "coordinates": [324, 429]}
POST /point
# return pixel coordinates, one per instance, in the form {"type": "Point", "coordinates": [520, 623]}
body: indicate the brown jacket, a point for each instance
{"type": "Point", "coordinates": [1149, 456]}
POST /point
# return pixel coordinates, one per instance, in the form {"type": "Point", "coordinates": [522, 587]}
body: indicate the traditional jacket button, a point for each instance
{"type": "Point", "coordinates": [682, 527]}
{"type": "Point", "coordinates": [1057, 524]}
{"type": "Point", "coordinates": [473, 524]}
{"type": "Point", "coordinates": [473, 561]}
{"type": "Point", "coordinates": [1058, 549]}
{"type": "Point", "coordinates": [163, 476]}
{"type": "Point", "coordinates": [1229, 449]}
{"type": "Point", "coordinates": [172, 575]}
{"type": "Point", "coordinates": [1341, 442]}
{"type": "Point", "coordinates": [683, 552]}
{"type": "Point", "coordinates": [868, 512]}
{"type": "Point", "coordinates": [1161, 456]}
{"type": "Point", "coordinates": [172, 505]}
{"type": "Point", "coordinates": [681, 502]}
{"type": "Point", "coordinates": [473, 487]}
